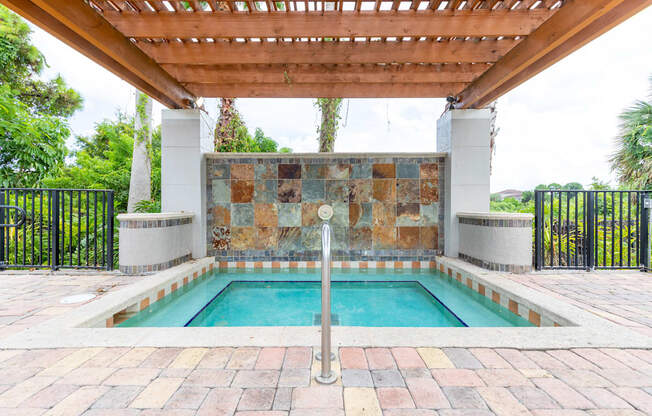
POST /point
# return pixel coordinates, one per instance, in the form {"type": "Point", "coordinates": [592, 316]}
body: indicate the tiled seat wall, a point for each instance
{"type": "Point", "coordinates": [265, 208]}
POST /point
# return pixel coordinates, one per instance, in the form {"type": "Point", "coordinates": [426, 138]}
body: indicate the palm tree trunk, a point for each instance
{"type": "Point", "coordinates": [140, 184]}
{"type": "Point", "coordinates": [330, 115]}
{"type": "Point", "coordinates": [225, 128]}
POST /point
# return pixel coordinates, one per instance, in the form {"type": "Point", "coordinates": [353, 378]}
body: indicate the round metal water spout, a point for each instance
{"type": "Point", "coordinates": [326, 376]}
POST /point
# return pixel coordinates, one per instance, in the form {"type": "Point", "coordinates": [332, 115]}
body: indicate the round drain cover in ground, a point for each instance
{"type": "Point", "coordinates": [83, 297]}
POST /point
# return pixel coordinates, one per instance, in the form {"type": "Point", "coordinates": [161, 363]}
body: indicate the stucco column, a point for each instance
{"type": "Point", "coordinates": [464, 135]}
{"type": "Point", "coordinates": [185, 137]}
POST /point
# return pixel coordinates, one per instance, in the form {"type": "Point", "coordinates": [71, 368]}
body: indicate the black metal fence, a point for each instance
{"type": "Point", "coordinates": [56, 228]}
{"type": "Point", "coordinates": [591, 229]}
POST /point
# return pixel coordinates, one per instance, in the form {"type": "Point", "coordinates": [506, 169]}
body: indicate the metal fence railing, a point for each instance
{"type": "Point", "coordinates": [56, 228]}
{"type": "Point", "coordinates": [591, 229]}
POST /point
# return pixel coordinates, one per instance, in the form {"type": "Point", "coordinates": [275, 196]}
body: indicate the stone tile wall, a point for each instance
{"type": "Point", "coordinates": [265, 207]}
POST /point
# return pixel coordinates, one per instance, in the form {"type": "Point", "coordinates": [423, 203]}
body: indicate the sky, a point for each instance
{"type": "Point", "coordinates": [557, 127]}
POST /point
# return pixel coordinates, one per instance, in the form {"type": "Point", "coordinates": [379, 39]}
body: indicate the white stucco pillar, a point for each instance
{"type": "Point", "coordinates": [185, 137]}
{"type": "Point", "coordinates": [464, 135]}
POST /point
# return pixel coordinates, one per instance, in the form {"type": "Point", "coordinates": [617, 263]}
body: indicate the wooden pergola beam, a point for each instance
{"type": "Point", "coordinates": [327, 90]}
{"type": "Point", "coordinates": [76, 24]}
{"type": "Point", "coordinates": [447, 23]}
{"type": "Point", "coordinates": [328, 52]}
{"type": "Point", "coordinates": [576, 24]}
{"type": "Point", "coordinates": [236, 74]}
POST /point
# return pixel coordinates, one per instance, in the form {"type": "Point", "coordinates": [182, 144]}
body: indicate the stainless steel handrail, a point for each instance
{"type": "Point", "coordinates": [326, 376]}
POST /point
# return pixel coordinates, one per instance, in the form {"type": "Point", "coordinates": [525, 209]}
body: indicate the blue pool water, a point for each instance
{"type": "Point", "coordinates": [375, 298]}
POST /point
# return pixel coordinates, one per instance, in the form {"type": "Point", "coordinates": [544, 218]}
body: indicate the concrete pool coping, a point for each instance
{"type": "Point", "coordinates": [76, 328]}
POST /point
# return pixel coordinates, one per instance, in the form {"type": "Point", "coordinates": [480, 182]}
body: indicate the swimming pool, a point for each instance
{"type": "Point", "coordinates": [291, 297]}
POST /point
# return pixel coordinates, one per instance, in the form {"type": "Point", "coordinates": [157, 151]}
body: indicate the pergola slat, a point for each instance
{"type": "Point", "coordinates": [94, 37]}
{"type": "Point", "coordinates": [327, 90]}
{"type": "Point", "coordinates": [447, 23]}
{"type": "Point", "coordinates": [606, 22]}
{"type": "Point", "coordinates": [328, 52]}
{"type": "Point", "coordinates": [236, 74]}
{"type": "Point", "coordinates": [570, 20]}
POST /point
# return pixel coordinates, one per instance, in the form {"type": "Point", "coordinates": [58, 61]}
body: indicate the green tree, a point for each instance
{"type": "Point", "coordinates": [573, 186]}
{"type": "Point", "coordinates": [32, 146]}
{"type": "Point", "coordinates": [33, 112]}
{"type": "Point", "coordinates": [232, 135]}
{"type": "Point", "coordinates": [527, 196]}
{"type": "Point", "coordinates": [103, 161]}
{"type": "Point", "coordinates": [632, 160]}
{"type": "Point", "coordinates": [21, 63]}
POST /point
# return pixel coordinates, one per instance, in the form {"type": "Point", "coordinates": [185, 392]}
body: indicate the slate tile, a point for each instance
{"type": "Point", "coordinates": [407, 190]}
{"type": "Point", "coordinates": [221, 238]}
{"type": "Point", "coordinates": [383, 237]}
{"type": "Point", "coordinates": [361, 171]}
{"type": "Point", "coordinates": [221, 190]}
{"type": "Point", "coordinates": [408, 238]}
{"type": "Point", "coordinates": [429, 171]}
{"type": "Point", "coordinates": [384, 190]}
{"type": "Point", "coordinates": [265, 190]}
{"type": "Point", "coordinates": [408, 214]}
{"type": "Point", "coordinates": [289, 190]}
{"type": "Point", "coordinates": [266, 238]}
{"type": "Point", "coordinates": [337, 190]}
{"type": "Point", "coordinates": [289, 238]}
{"type": "Point", "coordinates": [429, 237]}
{"type": "Point", "coordinates": [242, 214]}
{"type": "Point", "coordinates": [221, 214]}
{"type": "Point", "coordinates": [265, 215]}
{"type": "Point", "coordinates": [429, 214]}
{"type": "Point", "coordinates": [317, 171]}
{"type": "Point", "coordinates": [311, 238]}
{"type": "Point", "coordinates": [384, 170]}
{"type": "Point", "coordinates": [360, 215]}
{"type": "Point", "coordinates": [265, 171]}
{"type": "Point", "coordinates": [407, 170]}
{"type": "Point", "coordinates": [429, 191]}
{"type": "Point", "coordinates": [360, 190]}
{"type": "Point", "coordinates": [338, 171]}
{"type": "Point", "coordinates": [289, 215]}
{"type": "Point", "coordinates": [243, 238]}
{"type": "Point", "coordinates": [241, 190]}
{"type": "Point", "coordinates": [384, 214]}
{"type": "Point", "coordinates": [289, 171]}
{"type": "Point", "coordinates": [309, 215]}
{"type": "Point", "coordinates": [242, 171]}
{"type": "Point", "coordinates": [360, 238]}
{"type": "Point", "coordinates": [221, 171]}
{"type": "Point", "coordinates": [313, 190]}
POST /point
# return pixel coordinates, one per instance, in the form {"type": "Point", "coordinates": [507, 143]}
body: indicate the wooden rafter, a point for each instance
{"type": "Point", "coordinates": [448, 23]}
{"type": "Point", "coordinates": [327, 90]}
{"type": "Point", "coordinates": [75, 23]}
{"type": "Point", "coordinates": [577, 23]}
{"type": "Point", "coordinates": [328, 52]}
{"type": "Point", "coordinates": [296, 74]}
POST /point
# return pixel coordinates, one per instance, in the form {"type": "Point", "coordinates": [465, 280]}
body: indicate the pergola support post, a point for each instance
{"type": "Point", "coordinates": [185, 137]}
{"type": "Point", "coordinates": [465, 136]}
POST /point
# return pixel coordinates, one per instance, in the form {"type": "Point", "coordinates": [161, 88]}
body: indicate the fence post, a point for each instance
{"type": "Point", "coordinates": [538, 230]}
{"type": "Point", "coordinates": [645, 227]}
{"type": "Point", "coordinates": [2, 231]}
{"type": "Point", "coordinates": [589, 230]}
{"type": "Point", "coordinates": [54, 197]}
{"type": "Point", "coordinates": [109, 238]}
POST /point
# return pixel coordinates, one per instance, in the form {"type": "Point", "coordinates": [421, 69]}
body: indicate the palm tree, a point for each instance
{"type": "Point", "coordinates": [632, 160]}
{"type": "Point", "coordinates": [330, 117]}
{"type": "Point", "coordinates": [140, 184]}
{"type": "Point", "coordinates": [226, 123]}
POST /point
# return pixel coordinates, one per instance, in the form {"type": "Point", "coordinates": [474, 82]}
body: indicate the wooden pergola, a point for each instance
{"type": "Point", "coordinates": [472, 50]}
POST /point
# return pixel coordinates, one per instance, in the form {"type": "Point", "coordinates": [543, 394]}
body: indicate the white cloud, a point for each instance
{"type": "Point", "coordinates": [557, 127]}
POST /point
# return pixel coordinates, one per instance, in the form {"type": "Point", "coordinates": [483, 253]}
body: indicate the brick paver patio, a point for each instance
{"type": "Point", "coordinates": [279, 381]}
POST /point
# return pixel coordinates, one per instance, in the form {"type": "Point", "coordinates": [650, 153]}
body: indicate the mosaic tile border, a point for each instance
{"type": "Point", "coordinates": [496, 267]}
{"type": "Point", "coordinates": [536, 316]}
{"type": "Point", "coordinates": [502, 223]}
{"type": "Point", "coordinates": [143, 302]}
{"type": "Point", "coordinates": [145, 268]}
{"type": "Point", "coordinates": [169, 222]}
